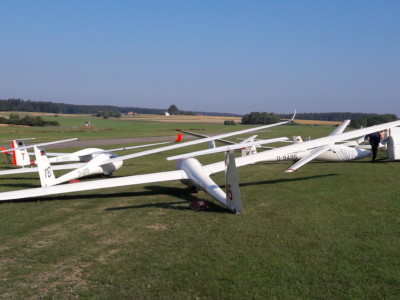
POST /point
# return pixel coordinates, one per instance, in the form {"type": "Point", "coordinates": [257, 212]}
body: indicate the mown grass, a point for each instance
{"type": "Point", "coordinates": [74, 126]}
{"type": "Point", "coordinates": [330, 230]}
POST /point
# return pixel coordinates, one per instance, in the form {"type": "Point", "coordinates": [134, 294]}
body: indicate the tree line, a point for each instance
{"type": "Point", "coordinates": [63, 108]}
{"type": "Point", "coordinates": [17, 104]}
{"type": "Point", "coordinates": [329, 116]}
{"type": "Point", "coordinates": [14, 119]}
{"type": "Point", "coordinates": [358, 120]}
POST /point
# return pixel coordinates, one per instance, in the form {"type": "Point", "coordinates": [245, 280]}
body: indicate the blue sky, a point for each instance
{"type": "Point", "coordinates": [215, 56]}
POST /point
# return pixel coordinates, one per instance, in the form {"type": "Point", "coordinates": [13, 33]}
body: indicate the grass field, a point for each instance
{"type": "Point", "coordinates": [329, 231]}
{"type": "Point", "coordinates": [72, 126]}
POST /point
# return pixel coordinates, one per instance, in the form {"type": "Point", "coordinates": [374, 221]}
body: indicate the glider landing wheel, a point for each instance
{"type": "Point", "coordinates": [200, 205]}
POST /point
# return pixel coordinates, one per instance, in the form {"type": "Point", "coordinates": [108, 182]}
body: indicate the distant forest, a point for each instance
{"type": "Point", "coordinates": [332, 116]}
{"type": "Point", "coordinates": [63, 108]}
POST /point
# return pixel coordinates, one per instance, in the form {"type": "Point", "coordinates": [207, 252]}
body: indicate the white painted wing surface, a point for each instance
{"type": "Point", "coordinates": [108, 150]}
{"type": "Point", "coordinates": [340, 128]}
{"type": "Point", "coordinates": [204, 136]}
{"type": "Point", "coordinates": [137, 147]}
{"type": "Point", "coordinates": [94, 185]}
{"type": "Point", "coordinates": [171, 147]}
{"type": "Point", "coordinates": [226, 148]}
{"type": "Point", "coordinates": [307, 145]}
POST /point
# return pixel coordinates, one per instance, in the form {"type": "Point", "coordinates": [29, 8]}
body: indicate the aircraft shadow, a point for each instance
{"type": "Point", "coordinates": [22, 185]}
{"type": "Point", "coordinates": [181, 193]}
{"type": "Point", "coordinates": [285, 180]}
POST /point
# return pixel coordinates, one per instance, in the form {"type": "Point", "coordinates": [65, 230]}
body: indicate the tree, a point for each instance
{"type": "Point", "coordinates": [260, 118]}
{"type": "Point", "coordinates": [173, 110]}
{"type": "Point", "coordinates": [229, 122]}
{"type": "Point", "coordinates": [371, 120]}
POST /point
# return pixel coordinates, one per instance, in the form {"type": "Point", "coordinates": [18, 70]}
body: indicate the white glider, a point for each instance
{"type": "Point", "coordinates": [199, 141]}
{"type": "Point", "coordinates": [190, 171]}
{"type": "Point", "coordinates": [244, 145]}
{"type": "Point", "coordinates": [323, 153]}
{"type": "Point", "coordinates": [91, 158]}
{"type": "Point", "coordinates": [21, 156]}
{"type": "Point", "coordinates": [105, 162]}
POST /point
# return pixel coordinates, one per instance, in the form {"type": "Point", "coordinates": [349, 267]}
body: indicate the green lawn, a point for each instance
{"type": "Point", "coordinates": [330, 230]}
{"type": "Point", "coordinates": [71, 127]}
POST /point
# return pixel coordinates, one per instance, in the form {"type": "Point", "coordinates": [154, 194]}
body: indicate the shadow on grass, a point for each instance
{"type": "Point", "coordinates": [360, 161]}
{"type": "Point", "coordinates": [183, 194]}
{"type": "Point", "coordinates": [287, 180]}
{"type": "Point", "coordinates": [21, 185]}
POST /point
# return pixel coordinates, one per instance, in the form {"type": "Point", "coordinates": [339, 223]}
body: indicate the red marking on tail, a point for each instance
{"type": "Point", "coordinates": [178, 138]}
{"type": "Point", "coordinates": [13, 153]}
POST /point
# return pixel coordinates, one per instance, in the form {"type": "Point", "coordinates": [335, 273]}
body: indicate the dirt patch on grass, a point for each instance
{"type": "Point", "coordinates": [63, 278]}
{"type": "Point", "coordinates": [12, 125]}
{"type": "Point", "coordinates": [157, 227]}
{"type": "Point", "coordinates": [182, 119]}
{"type": "Point", "coordinates": [317, 122]}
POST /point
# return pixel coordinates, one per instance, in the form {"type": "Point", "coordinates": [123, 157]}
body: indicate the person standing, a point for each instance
{"type": "Point", "coordinates": [374, 140]}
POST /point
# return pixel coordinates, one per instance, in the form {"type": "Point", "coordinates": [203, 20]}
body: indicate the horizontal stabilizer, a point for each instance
{"type": "Point", "coordinates": [43, 144]}
{"type": "Point", "coordinates": [249, 139]}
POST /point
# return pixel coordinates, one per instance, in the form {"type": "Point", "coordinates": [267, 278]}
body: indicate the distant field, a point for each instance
{"type": "Point", "coordinates": [317, 122]}
{"type": "Point", "coordinates": [329, 231]}
{"type": "Point", "coordinates": [73, 126]}
{"type": "Point", "coordinates": [183, 119]}
{"type": "Point", "coordinates": [172, 119]}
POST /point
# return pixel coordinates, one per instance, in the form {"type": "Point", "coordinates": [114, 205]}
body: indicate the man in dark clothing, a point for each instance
{"type": "Point", "coordinates": [374, 140]}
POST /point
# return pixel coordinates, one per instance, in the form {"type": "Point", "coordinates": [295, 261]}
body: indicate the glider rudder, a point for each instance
{"type": "Point", "coordinates": [232, 190]}
{"type": "Point", "coordinates": [20, 154]}
{"type": "Point", "coordinates": [46, 173]}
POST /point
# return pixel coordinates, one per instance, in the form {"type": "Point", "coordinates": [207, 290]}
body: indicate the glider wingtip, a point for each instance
{"type": "Point", "coordinates": [294, 115]}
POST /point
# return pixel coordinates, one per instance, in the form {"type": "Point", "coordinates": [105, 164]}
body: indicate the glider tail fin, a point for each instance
{"type": "Point", "coordinates": [46, 173]}
{"type": "Point", "coordinates": [233, 198]}
{"type": "Point", "coordinates": [297, 139]}
{"type": "Point", "coordinates": [20, 154]}
{"type": "Point", "coordinates": [250, 149]}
